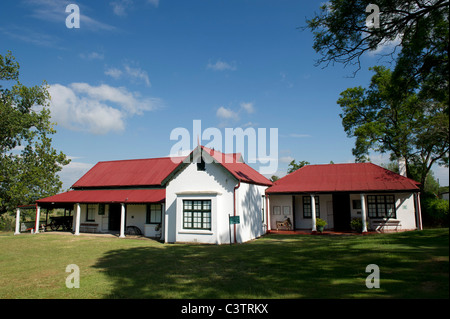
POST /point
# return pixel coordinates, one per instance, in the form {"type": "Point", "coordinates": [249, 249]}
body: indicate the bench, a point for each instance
{"type": "Point", "coordinates": [88, 228]}
{"type": "Point", "coordinates": [379, 225]}
{"type": "Point", "coordinates": [285, 223]}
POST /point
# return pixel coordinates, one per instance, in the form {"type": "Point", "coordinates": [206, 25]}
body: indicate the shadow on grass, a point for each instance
{"type": "Point", "coordinates": [412, 265]}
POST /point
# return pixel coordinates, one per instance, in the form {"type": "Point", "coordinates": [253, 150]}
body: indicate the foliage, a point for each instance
{"type": "Point", "coordinates": [387, 118]}
{"type": "Point", "coordinates": [418, 29]}
{"type": "Point", "coordinates": [435, 211]}
{"type": "Point", "coordinates": [356, 224]}
{"type": "Point", "coordinates": [28, 162]}
{"type": "Point", "coordinates": [293, 166]}
{"type": "Point", "coordinates": [320, 222]}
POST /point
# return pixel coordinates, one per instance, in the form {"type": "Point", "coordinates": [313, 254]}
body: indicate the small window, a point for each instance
{"type": "Point", "coordinates": [201, 166]}
{"type": "Point", "coordinates": [90, 213]}
{"type": "Point", "coordinates": [381, 206]}
{"type": "Point", "coordinates": [356, 204]}
{"type": "Point", "coordinates": [307, 207]}
{"type": "Point", "coordinates": [154, 214]}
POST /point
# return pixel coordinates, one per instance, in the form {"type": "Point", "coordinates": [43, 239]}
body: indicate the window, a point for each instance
{"type": "Point", "coordinates": [154, 214]}
{"type": "Point", "coordinates": [201, 166]}
{"type": "Point", "coordinates": [197, 214]}
{"type": "Point", "coordinates": [381, 206]}
{"type": "Point", "coordinates": [307, 210]}
{"type": "Point", "coordinates": [90, 213]}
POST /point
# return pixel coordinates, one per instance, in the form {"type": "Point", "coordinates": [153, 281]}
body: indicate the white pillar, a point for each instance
{"type": "Point", "coordinates": [313, 213]}
{"type": "Point", "coordinates": [122, 221]}
{"type": "Point", "coordinates": [77, 218]}
{"type": "Point", "coordinates": [38, 217]}
{"type": "Point", "coordinates": [363, 213]}
{"type": "Point", "coordinates": [17, 232]}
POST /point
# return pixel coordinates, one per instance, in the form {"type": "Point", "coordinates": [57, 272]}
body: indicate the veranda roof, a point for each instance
{"type": "Point", "coordinates": [129, 196]}
{"type": "Point", "coordinates": [352, 177]}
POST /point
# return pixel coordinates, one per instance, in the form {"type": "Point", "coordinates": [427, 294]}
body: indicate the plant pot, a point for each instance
{"type": "Point", "coordinates": [320, 229]}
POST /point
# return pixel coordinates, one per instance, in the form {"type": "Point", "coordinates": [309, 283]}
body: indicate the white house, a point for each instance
{"type": "Point", "coordinates": [178, 199]}
{"type": "Point", "coordinates": [337, 193]}
{"type": "Point", "coordinates": [194, 199]}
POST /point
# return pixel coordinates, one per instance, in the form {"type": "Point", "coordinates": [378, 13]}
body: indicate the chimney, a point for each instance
{"type": "Point", "coordinates": [402, 166]}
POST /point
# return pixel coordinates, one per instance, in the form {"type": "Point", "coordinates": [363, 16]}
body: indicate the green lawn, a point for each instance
{"type": "Point", "coordinates": [412, 265]}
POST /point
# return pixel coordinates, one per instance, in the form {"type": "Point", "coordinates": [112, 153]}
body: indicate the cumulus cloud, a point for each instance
{"type": "Point", "coordinates": [96, 109]}
{"type": "Point", "coordinates": [226, 114]}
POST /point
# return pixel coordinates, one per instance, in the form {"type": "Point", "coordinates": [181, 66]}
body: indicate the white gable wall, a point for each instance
{"type": "Point", "coordinates": [213, 184]}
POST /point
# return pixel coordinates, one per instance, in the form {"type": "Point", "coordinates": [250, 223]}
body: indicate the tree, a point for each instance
{"type": "Point", "coordinates": [28, 162]}
{"type": "Point", "coordinates": [419, 28]}
{"type": "Point", "coordinates": [293, 166]}
{"type": "Point", "coordinates": [389, 119]}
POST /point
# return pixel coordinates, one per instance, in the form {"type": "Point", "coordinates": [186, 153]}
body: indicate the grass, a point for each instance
{"type": "Point", "coordinates": [412, 265]}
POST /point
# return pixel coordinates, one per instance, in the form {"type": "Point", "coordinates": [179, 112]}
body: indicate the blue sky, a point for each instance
{"type": "Point", "coordinates": [137, 69]}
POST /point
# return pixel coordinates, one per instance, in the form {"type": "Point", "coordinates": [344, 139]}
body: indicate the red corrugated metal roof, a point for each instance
{"type": "Point", "coordinates": [139, 172]}
{"type": "Point", "coordinates": [130, 196]}
{"type": "Point", "coordinates": [356, 177]}
{"type": "Point", "coordinates": [233, 163]}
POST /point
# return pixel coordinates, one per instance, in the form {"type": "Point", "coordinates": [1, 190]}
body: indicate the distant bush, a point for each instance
{"type": "Point", "coordinates": [435, 211]}
{"type": "Point", "coordinates": [7, 222]}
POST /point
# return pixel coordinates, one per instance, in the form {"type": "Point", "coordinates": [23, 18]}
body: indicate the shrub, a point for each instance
{"type": "Point", "coordinates": [356, 224]}
{"type": "Point", "coordinates": [437, 210]}
{"type": "Point", "coordinates": [320, 222]}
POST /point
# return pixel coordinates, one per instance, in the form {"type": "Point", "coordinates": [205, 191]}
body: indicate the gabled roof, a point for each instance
{"type": "Point", "coordinates": [356, 177]}
{"type": "Point", "coordinates": [138, 172]}
{"type": "Point", "coordinates": [232, 163]}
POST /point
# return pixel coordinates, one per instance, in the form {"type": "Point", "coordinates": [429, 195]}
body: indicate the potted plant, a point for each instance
{"type": "Point", "coordinates": [356, 224]}
{"type": "Point", "coordinates": [320, 224]}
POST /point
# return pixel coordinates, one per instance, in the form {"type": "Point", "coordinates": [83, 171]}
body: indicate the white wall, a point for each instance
{"type": "Point", "coordinates": [404, 207]}
{"type": "Point", "coordinates": [285, 203]}
{"type": "Point", "coordinates": [250, 204]}
{"type": "Point", "coordinates": [213, 184]}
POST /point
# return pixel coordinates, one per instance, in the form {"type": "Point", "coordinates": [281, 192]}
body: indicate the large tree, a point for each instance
{"type": "Point", "coordinates": [418, 28]}
{"type": "Point", "coordinates": [28, 162]}
{"type": "Point", "coordinates": [394, 120]}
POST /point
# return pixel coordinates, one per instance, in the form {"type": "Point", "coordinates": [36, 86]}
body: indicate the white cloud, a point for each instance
{"type": "Point", "coordinates": [73, 171]}
{"type": "Point", "coordinates": [286, 159]}
{"type": "Point", "coordinates": [226, 114]}
{"type": "Point", "coordinates": [248, 107]}
{"type": "Point", "coordinates": [92, 56]}
{"type": "Point", "coordinates": [96, 109]}
{"type": "Point", "coordinates": [135, 74]}
{"type": "Point", "coordinates": [221, 66]}
{"type": "Point", "coordinates": [114, 73]}
{"type": "Point", "coordinates": [120, 7]}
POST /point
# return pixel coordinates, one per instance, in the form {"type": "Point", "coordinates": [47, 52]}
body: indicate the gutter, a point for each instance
{"type": "Point", "coordinates": [234, 200]}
